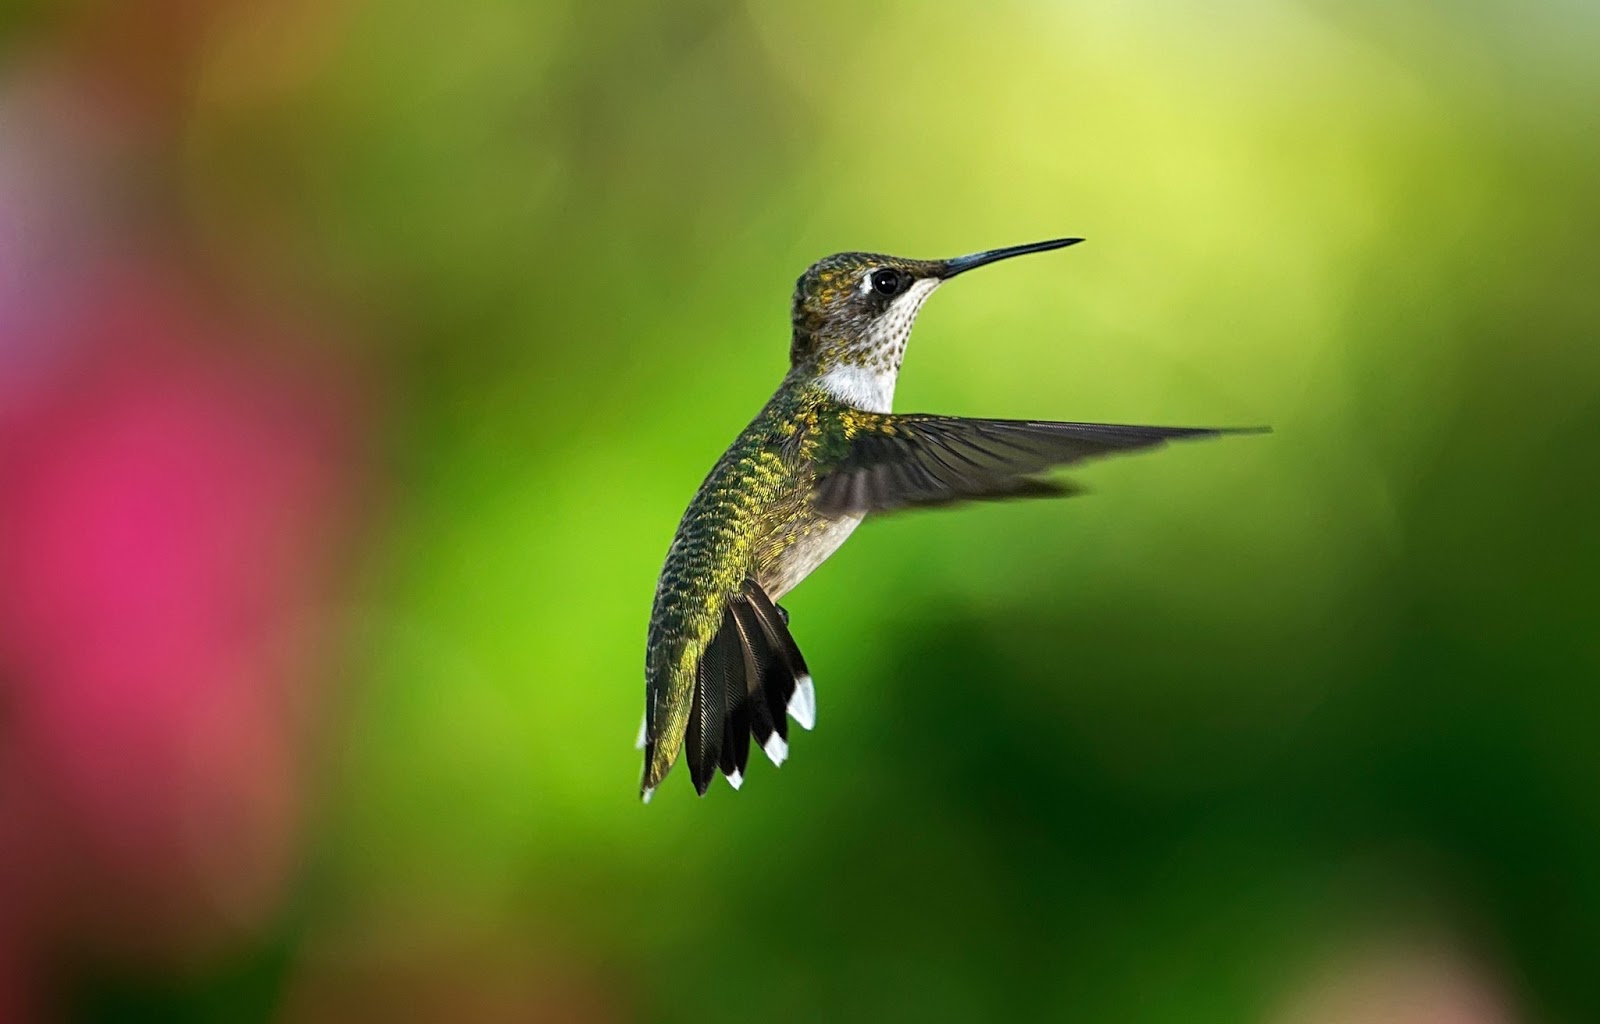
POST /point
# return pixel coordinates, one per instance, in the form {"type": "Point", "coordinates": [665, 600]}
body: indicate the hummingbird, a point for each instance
{"type": "Point", "coordinates": [722, 668]}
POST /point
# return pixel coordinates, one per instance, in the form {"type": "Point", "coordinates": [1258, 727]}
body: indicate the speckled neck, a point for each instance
{"type": "Point", "coordinates": [860, 367]}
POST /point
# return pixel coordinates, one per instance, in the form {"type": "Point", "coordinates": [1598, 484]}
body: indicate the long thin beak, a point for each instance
{"type": "Point", "coordinates": [962, 264]}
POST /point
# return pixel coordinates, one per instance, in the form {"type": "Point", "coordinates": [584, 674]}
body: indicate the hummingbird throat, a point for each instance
{"type": "Point", "coordinates": [864, 373]}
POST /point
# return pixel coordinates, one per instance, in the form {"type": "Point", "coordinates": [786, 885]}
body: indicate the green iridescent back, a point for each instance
{"type": "Point", "coordinates": [753, 508]}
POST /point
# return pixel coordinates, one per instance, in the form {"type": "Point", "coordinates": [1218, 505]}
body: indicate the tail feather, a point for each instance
{"type": "Point", "coordinates": [736, 726]}
{"type": "Point", "coordinates": [709, 711]}
{"type": "Point", "coordinates": [760, 656]}
{"type": "Point", "coordinates": [748, 715]}
{"type": "Point", "coordinates": [792, 693]}
{"type": "Point", "coordinates": [749, 682]}
{"type": "Point", "coordinates": [769, 695]}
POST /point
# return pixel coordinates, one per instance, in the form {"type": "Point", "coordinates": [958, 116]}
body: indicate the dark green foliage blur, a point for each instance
{"type": "Point", "coordinates": [1205, 744]}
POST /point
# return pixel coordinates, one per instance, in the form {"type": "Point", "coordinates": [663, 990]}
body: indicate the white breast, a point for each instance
{"type": "Point", "coordinates": [807, 553]}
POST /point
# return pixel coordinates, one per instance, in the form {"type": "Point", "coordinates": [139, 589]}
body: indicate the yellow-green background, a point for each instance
{"type": "Point", "coordinates": [1162, 753]}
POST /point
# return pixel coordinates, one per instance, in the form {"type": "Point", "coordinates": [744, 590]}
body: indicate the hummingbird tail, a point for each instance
{"type": "Point", "coordinates": [749, 682]}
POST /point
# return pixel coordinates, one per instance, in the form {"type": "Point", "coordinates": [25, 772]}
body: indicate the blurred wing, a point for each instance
{"type": "Point", "coordinates": [894, 462]}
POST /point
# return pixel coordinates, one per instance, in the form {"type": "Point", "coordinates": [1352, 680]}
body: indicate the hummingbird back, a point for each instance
{"type": "Point", "coordinates": [720, 665]}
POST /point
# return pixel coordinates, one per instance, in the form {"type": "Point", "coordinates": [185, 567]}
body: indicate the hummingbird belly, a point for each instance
{"type": "Point", "coordinates": [810, 546]}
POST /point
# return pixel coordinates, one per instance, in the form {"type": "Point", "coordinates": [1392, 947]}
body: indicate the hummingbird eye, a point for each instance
{"type": "Point", "coordinates": [887, 281]}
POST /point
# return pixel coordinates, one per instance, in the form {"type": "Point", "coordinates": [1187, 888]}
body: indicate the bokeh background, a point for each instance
{"type": "Point", "coordinates": [357, 358]}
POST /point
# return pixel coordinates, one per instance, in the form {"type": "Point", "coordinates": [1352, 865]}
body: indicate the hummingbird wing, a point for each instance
{"type": "Point", "coordinates": [888, 462]}
{"type": "Point", "coordinates": [750, 679]}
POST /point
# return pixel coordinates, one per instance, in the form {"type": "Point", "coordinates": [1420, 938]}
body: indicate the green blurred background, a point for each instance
{"type": "Point", "coordinates": [1294, 729]}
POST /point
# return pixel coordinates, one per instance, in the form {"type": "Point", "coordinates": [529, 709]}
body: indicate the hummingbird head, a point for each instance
{"type": "Point", "coordinates": [853, 312]}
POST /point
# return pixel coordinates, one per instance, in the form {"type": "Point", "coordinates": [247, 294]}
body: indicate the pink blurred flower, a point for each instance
{"type": "Point", "coordinates": [176, 477]}
{"type": "Point", "coordinates": [166, 516]}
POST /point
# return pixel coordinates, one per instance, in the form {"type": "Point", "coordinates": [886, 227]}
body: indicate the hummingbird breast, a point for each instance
{"type": "Point", "coordinates": [799, 548]}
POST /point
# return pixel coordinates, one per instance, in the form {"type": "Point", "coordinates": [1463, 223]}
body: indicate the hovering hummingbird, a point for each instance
{"type": "Point", "coordinates": [721, 666]}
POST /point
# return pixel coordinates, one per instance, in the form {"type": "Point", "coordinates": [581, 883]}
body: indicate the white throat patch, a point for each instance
{"type": "Point", "coordinates": [860, 387]}
{"type": "Point", "coordinates": [869, 384]}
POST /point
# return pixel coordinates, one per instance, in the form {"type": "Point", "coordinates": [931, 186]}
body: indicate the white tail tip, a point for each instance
{"type": "Point", "coordinates": [777, 749]}
{"type": "Point", "coordinates": [803, 705]}
{"type": "Point", "coordinates": [735, 779]}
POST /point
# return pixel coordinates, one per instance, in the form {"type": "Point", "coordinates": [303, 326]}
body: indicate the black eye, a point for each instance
{"type": "Point", "coordinates": [886, 282]}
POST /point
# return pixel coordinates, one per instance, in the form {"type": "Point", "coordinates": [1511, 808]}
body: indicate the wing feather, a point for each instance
{"type": "Point", "coordinates": [894, 462]}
